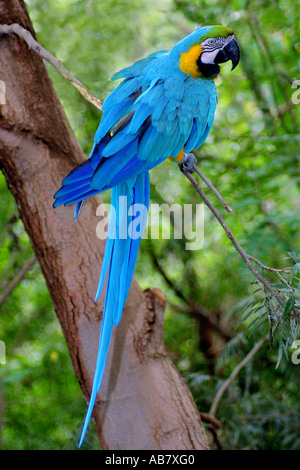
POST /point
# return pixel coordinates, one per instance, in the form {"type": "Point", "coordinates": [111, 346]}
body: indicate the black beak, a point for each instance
{"type": "Point", "coordinates": [229, 52]}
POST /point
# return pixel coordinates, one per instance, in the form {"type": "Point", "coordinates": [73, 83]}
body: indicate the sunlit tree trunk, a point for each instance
{"type": "Point", "coordinates": [143, 402]}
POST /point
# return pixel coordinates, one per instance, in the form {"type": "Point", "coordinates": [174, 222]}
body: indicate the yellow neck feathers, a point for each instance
{"type": "Point", "coordinates": [188, 61]}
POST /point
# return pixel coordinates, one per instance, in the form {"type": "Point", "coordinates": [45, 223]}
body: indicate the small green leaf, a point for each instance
{"type": "Point", "coordinates": [288, 307]}
{"type": "Point", "coordinates": [280, 351]}
{"type": "Point", "coordinates": [247, 315]}
{"type": "Point", "coordinates": [296, 269]}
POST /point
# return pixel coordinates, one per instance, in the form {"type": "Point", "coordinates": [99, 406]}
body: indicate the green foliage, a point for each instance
{"type": "Point", "coordinates": [282, 322]}
{"type": "Point", "coordinates": [252, 158]}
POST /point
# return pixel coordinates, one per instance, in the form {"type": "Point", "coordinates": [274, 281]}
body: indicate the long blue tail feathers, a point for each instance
{"type": "Point", "coordinates": [119, 261]}
{"type": "Point", "coordinates": [130, 201]}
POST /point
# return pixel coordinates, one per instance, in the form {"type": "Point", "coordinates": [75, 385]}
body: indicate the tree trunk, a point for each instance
{"type": "Point", "coordinates": [143, 402]}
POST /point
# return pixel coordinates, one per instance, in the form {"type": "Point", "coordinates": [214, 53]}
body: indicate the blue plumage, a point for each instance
{"type": "Point", "coordinates": [163, 105]}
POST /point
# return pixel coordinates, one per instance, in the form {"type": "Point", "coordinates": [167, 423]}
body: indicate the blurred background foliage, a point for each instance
{"type": "Point", "coordinates": [251, 156]}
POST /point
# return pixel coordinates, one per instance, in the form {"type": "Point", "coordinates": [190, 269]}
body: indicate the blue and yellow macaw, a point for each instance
{"type": "Point", "coordinates": [164, 107]}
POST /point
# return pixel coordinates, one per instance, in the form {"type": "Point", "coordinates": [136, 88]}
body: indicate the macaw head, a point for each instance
{"type": "Point", "coordinates": [201, 52]}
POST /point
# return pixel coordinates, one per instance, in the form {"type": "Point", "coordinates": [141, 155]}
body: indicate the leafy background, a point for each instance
{"type": "Point", "coordinates": [251, 155]}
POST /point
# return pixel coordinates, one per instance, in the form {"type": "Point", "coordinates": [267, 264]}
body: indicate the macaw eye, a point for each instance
{"type": "Point", "coordinates": [211, 41]}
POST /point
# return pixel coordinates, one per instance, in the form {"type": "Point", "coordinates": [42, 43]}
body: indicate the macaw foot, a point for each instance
{"type": "Point", "coordinates": [188, 162]}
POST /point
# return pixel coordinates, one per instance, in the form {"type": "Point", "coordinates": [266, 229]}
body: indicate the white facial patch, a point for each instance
{"type": "Point", "coordinates": [209, 57]}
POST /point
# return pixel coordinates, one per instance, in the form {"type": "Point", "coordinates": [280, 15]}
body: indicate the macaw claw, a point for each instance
{"type": "Point", "coordinates": [188, 162]}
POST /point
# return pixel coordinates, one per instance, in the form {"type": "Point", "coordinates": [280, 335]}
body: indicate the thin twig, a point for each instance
{"type": "Point", "coordinates": [235, 243]}
{"type": "Point", "coordinates": [17, 279]}
{"type": "Point", "coordinates": [207, 418]}
{"type": "Point", "coordinates": [212, 188]}
{"type": "Point", "coordinates": [35, 46]}
{"type": "Point", "coordinates": [275, 270]}
{"type": "Point", "coordinates": [234, 374]}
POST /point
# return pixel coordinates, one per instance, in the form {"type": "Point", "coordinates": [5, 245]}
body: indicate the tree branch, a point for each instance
{"type": "Point", "coordinates": [18, 278]}
{"type": "Point", "coordinates": [208, 418]}
{"type": "Point", "coordinates": [267, 268]}
{"type": "Point", "coordinates": [238, 247]}
{"type": "Point", "coordinates": [235, 243]}
{"type": "Point", "coordinates": [42, 52]}
{"type": "Point", "coordinates": [212, 188]}
{"type": "Point", "coordinates": [234, 374]}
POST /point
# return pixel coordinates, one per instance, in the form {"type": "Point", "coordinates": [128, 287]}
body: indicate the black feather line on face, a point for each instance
{"type": "Point", "coordinates": [208, 70]}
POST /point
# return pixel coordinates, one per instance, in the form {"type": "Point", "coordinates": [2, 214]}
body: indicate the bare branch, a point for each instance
{"type": "Point", "coordinates": [212, 188]}
{"type": "Point", "coordinates": [235, 243]}
{"type": "Point", "coordinates": [17, 279]}
{"type": "Point", "coordinates": [234, 374]}
{"type": "Point", "coordinates": [35, 46]}
{"type": "Point", "coordinates": [274, 270]}
{"type": "Point", "coordinates": [207, 418]}
{"type": "Point", "coordinates": [238, 247]}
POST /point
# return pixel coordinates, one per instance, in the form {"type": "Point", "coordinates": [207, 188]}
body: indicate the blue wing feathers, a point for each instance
{"type": "Point", "coordinates": [109, 120]}
{"type": "Point", "coordinates": [68, 200]}
{"type": "Point", "coordinates": [139, 66]}
{"type": "Point", "coordinates": [117, 143]}
{"type": "Point", "coordinates": [83, 171]}
{"type": "Point", "coordinates": [159, 108]}
{"type": "Point", "coordinates": [156, 94]}
{"type": "Point", "coordinates": [142, 112]}
{"type": "Point", "coordinates": [112, 166]}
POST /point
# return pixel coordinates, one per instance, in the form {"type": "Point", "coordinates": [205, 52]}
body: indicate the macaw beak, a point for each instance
{"type": "Point", "coordinates": [231, 52]}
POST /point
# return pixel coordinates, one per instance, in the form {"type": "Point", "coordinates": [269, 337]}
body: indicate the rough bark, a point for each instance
{"type": "Point", "coordinates": [143, 402]}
